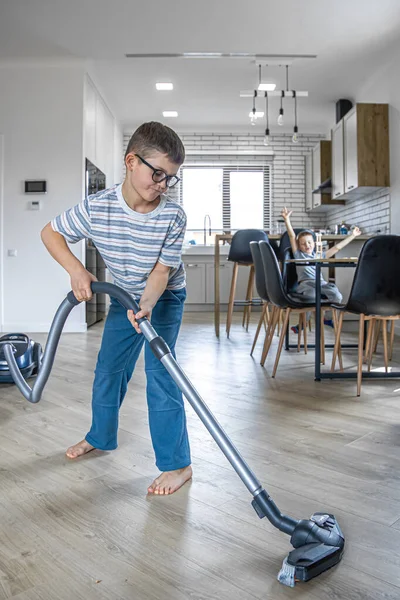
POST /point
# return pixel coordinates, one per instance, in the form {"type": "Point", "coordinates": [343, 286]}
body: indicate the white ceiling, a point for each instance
{"type": "Point", "coordinates": [351, 38]}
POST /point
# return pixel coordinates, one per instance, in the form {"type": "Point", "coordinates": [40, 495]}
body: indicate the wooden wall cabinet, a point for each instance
{"type": "Point", "coordinates": [360, 155]}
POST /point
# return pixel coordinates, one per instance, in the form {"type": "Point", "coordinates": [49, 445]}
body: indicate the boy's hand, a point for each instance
{"type": "Point", "coordinates": [80, 284]}
{"type": "Point", "coordinates": [286, 214]}
{"type": "Point", "coordinates": [356, 232]}
{"type": "Point", "coordinates": [144, 312]}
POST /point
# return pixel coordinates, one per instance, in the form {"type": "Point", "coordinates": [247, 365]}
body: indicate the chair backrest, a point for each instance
{"type": "Point", "coordinates": [289, 273]}
{"type": "Point", "coordinates": [240, 245]}
{"type": "Point", "coordinates": [376, 283]}
{"type": "Point", "coordinates": [273, 277]}
{"type": "Point", "coordinates": [259, 271]}
{"type": "Point", "coordinates": [284, 242]}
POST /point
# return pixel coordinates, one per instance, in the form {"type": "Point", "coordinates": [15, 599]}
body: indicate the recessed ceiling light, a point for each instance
{"type": "Point", "coordinates": [171, 113]}
{"type": "Point", "coordinates": [163, 87]}
{"type": "Point", "coordinates": [266, 87]}
{"type": "Point", "coordinates": [258, 115]}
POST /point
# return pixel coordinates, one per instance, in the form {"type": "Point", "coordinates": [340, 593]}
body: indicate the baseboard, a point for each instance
{"type": "Point", "coordinates": [21, 327]}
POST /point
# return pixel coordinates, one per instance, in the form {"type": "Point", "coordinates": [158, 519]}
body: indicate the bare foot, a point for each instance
{"type": "Point", "coordinates": [170, 481]}
{"type": "Point", "coordinates": [79, 449]}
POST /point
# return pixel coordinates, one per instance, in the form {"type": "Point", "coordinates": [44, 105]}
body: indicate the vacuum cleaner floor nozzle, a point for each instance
{"type": "Point", "coordinates": [308, 561]}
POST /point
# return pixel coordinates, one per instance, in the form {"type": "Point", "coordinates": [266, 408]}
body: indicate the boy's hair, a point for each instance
{"type": "Point", "coordinates": [156, 136]}
{"type": "Point", "coordinates": [304, 233]}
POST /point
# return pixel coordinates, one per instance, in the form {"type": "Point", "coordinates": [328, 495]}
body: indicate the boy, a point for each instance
{"type": "Point", "coordinates": [139, 233]}
{"type": "Point", "coordinates": [303, 247]}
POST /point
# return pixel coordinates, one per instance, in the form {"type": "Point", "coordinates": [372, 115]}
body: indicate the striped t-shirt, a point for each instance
{"type": "Point", "coordinates": [129, 242]}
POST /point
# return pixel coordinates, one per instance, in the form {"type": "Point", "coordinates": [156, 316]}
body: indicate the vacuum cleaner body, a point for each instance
{"type": "Point", "coordinates": [318, 541]}
{"type": "Point", "coordinates": [27, 353]}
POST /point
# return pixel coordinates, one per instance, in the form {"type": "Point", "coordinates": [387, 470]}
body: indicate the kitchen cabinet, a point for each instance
{"type": "Point", "coordinates": [337, 160]}
{"type": "Point", "coordinates": [360, 154]}
{"type": "Point", "coordinates": [308, 182]}
{"type": "Point", "coordinates": [321, 171]}
{"type": "Point", "coordinates": [195, 282]}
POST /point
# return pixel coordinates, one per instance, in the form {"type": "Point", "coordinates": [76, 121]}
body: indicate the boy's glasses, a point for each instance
{"type": "Point", "coordinates": [159, 176]}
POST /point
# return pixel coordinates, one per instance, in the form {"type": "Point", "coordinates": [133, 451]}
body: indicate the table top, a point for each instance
{"type": "Point", "coordinates": [221, 237]}
{"type": "Point", "coordinates": [330, 261]}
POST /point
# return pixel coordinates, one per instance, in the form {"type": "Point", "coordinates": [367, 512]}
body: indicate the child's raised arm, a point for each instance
{"type": "Point", "coordinates": [292, 236]}
{"type": "Point", "coordinates": [332, 251]}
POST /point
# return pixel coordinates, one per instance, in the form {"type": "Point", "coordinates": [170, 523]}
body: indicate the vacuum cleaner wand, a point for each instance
{"type": "Point", "coordinates": [318, 541]}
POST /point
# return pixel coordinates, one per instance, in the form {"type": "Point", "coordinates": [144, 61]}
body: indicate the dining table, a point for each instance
{"type": "Point", "coordinates": [319, 263]}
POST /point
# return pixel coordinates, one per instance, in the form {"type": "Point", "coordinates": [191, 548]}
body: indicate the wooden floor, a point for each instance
{"type": "Point", "coordinates": [86, 530]}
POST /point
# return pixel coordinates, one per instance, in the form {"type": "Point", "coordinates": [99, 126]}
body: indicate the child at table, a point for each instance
{"type": "Point", "coordinates": [303, 246]}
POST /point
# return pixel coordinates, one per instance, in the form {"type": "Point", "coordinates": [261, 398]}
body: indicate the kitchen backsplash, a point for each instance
{"type": "Point", "coordinates": [288, 178]}
{"type": "Point", "coordinates": [371, 214]}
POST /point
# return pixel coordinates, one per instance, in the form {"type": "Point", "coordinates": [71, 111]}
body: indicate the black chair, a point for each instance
{"type": "Point", "coordinates": [240, 255]}
{"type": "Point", "coordinates": [282, 300]}
{"type": "Point", "coordinates": [261, 288]}
{"type": "Point", "coordinates": [374, 295]}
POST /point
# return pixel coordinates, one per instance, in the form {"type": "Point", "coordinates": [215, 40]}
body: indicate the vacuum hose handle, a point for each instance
{"type": "Point", "coordinates": [101, 287]}
{"type": "Point", "coordinates": [98, 287]}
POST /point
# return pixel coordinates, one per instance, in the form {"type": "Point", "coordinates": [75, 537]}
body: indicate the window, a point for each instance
{"type": "Point", "coordinates": [234, 196]}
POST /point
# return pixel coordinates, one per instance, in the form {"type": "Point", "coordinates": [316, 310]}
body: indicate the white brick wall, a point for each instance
{"type": "Point", "coordinates": [288, 179]}
{"type": "Point", "coordinates": [371, 214]}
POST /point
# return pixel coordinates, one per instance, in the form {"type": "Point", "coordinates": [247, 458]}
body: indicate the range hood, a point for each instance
{"type": "Point", "coordinates": [324, 188]}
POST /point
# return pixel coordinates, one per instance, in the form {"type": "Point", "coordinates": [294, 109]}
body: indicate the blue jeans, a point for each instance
{"type": "Point", "coordinates": [119, 351]}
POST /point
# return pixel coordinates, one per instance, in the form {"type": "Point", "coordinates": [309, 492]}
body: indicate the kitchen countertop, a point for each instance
{"type": "Point", "coordinates": [209, 250]}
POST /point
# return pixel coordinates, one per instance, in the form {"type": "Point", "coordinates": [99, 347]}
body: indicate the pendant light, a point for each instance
{"type": "Point", "coordinates": [295, 137]}
{"type": "Point", "coordinates": [267, 140]}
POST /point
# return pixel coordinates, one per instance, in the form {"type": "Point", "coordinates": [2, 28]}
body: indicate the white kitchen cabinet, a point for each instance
{"type": "Point", "coordinates": [104, 139]}
{"type": "Point", "coordinates": [89, 119]}
{"type": "Point", "coordinates": [350, 150]}
{"type": "Point", "coordinates": [337, 160]}
{"type": "Point", "coordinates": [195, 282]}
{"type": "Point", "coordinates": [99, 134]}
{"type": "Point", "coordinates": [308, 182]}
{"type": "Point", "coordinates": [316, 175]}
{"type": "Point", "coordinates": [225, 277]}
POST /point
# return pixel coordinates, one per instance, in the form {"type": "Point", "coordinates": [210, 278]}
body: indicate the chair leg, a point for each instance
{"type": "Point", "coordinates": [377, 331]}
{"type": "Point", "coordinates": [385, 344]}
{"type": "Point", "coordinates": [299, 331]}
{"type": "Point", "coordinates": [335, 328]}
{"type": "Point", "coordinates": [373, 326]}
{"type": "Point", "coordinates": [260, 322]}
{"type": "Point", "coordinates": [322, 338]}
{"type": "Point", "coordinates": [305, 332]}
{"type": "Point", "coordinates": [266, 317]}
{"type": "Point", "coordinates": [281, 339]}
{"type": "Point", "coordinates": [391, 339]}
{"type": "Point", "coordinates": [270, 333]}
{"type": "Point", "coordinates": [309, 324]}
{"type": "Point", "coordinates": [249, 294]}
{"type": "Point", "coordinates": [360, 353]}
{"type": "Point", "coordinates": [337, 340]}
{"type": "Point", "coordinates": [231, 298]}
{"type": "Point", "coordinates": [368, 343]}
{"type": "Point", "coordinates": [251, 277]}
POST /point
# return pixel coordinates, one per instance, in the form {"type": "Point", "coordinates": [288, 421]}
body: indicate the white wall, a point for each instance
{"type": "Point", "coordinates": [44, 119]}
{"type": "Point", "coordinates": [41, 115]}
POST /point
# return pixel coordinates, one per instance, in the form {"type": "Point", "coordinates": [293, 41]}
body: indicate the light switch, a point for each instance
{"type": "Point", "coordinates": [12, 252]}
{"type": "Point", "coordinates": [34, 205]}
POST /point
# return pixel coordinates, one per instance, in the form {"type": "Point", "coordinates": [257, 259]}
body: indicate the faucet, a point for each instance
{"type": "Point", "coordinates": [209, 227]}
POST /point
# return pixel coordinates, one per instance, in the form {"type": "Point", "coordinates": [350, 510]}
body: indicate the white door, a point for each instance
{"type": "Point", "coordinates": [308, 180]}
{"type": "Point", "coordinates": [316, 174]}
{"type": "Point", "coordinates": [350, 151]}
{"type": "Point", "coordinates": [1, 233]}
{"type": "Point", "coordinates": [195, 282]}
{"type": "Point", "coordinates": [337, 161]}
